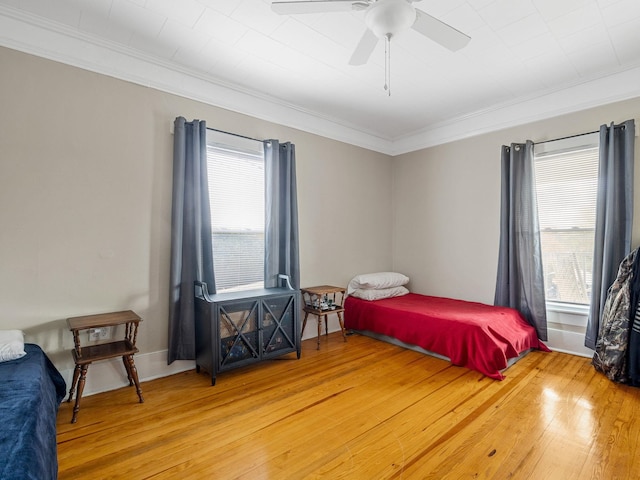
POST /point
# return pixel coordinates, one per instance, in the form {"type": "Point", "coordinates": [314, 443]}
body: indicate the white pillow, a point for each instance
{"type": "Point", "coordinates": [380, 293]}
{"type": "Point", "coordinates": [377, 281]}
{"type": "Point", "coordinates": [11, 345]}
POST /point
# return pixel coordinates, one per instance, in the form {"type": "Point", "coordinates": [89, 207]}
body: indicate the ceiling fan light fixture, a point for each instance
{"type": "Point", "coordinates": [389, 17]}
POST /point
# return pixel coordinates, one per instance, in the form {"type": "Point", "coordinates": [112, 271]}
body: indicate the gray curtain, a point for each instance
{"type": "Point", "coordinates": [520, 280]}
{"type": "Point", "coordinates": [191, 249]}
{"type": "Point", "coordinates": [614, 216]}
{"type": "Point", "coordinates": [281, 223]}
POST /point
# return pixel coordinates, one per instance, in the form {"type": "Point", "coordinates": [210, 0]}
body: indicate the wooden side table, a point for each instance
{"type": "Point", "coordinates": [321, 301]}
{"type": "Point", "coordinates": [83, 356]}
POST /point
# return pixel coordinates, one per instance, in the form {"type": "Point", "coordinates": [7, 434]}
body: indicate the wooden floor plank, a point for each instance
{"type": "Point", "coordinates": [360, 410]}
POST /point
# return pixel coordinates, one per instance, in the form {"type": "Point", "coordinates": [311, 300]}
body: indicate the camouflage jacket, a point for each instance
{"type": "Point", "coordinates": [610, 355]}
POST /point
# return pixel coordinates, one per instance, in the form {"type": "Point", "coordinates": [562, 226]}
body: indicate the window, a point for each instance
{"type": "Point", "coordinates": [566, 173]}
{"type": "Point", "coordinates": [236, 194]}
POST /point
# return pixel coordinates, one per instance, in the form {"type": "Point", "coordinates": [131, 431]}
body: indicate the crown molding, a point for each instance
{"type": "Point", "coordinates": [54, 41]}
{"type": "Point", "coordinates": [619, 86]}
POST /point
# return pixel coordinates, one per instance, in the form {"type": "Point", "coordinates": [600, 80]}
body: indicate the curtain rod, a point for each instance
{"type": "Point", "coordinates": [236, 135]}
{"type": "Point", "coordinates": [568, 136]}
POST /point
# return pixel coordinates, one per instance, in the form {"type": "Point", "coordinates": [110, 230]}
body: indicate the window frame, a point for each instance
{"type": "Point", "coordinates": [577, 312]}
{"type": "Point", "coordinates": [247, 148]}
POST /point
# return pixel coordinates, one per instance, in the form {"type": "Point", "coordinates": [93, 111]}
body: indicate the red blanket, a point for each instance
{"type": "Point", "coordinates": [474, 335]}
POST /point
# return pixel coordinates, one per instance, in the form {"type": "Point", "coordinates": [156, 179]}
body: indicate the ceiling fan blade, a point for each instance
{"type": "Point", "coordinates": [364, 49]}
{"type": "Point", "coordinates": [439, 32]}
{"type": "Point", "coordinates": [311, 6]}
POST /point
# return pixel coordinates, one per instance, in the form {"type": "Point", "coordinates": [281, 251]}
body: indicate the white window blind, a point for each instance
{"type": "Point", "coordinates": [566, 184]}
{"type": "Point", "coordinates": [236, 194]}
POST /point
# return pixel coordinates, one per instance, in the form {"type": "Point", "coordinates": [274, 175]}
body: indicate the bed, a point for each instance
{"type": "Point", "coordinates": [31, 392]}
{"type": "Point", "coordinates": [481, 337]}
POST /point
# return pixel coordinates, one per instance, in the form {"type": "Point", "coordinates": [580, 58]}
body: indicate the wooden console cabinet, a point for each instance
{"type": "Point", "coordinates": [239, 328]}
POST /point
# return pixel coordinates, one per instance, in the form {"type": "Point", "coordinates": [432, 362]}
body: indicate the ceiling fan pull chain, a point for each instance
{"type": "Point", "coordinates": [387, 63]}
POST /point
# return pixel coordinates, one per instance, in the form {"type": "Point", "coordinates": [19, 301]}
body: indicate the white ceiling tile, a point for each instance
{"type": "Point", "coordinates": [541, 45]}
{"type": "Point", "coordinates": [221, 59]}
{"type": "Point", "coordinates": [593, 35]}
{"type": "Point", "coordinates": [606, 3]}
{"type": "Point", "coordinates": [186, 12]}
{"type": "Point", "coordinates": [464, 18]}
{"type": "Point", "coordinates": [575, 21]}
{"type": "Point", "coordinates": [486, 43]}
{"type": "Point", "coordinates": [100, 26]}
{"type": "Point", "coordinates": [261, 46]}
{"type": "Point", "coordinates": [310, 43]}
{"type": "Point", "coordinates": [626, 42]}
{"type": "Point", "coordinates": [345, 30]}
{"type": "Point", "coordinates": [220, 26]}
{"type": "Point", "coordinates": [176, 33]}
{"type": "Point", "coordinates": [478, 4]}
{"type": "Point", "coordinates": [438, 8]}
{"type": "Point", "coordinates": [517, 79]}
{"type": "Point", "coordinates": [621, 12]}
{"type": "Point", "coordinates": [523, 30]}
{"type": "Point", "coordinates": [594, 60]}
{"type": "Point", "coordinates": [144, 23]}
{"type": "Point", "coordinates": [552, 70]}
{"type": "Point", "coordinates": [258, 16]}
{"type": "Point", "coordinates": [551, 9]}
{"type": "Point", "coordinates": [226, 7]}
{"type": "Point", "coordinates": [501, 13]}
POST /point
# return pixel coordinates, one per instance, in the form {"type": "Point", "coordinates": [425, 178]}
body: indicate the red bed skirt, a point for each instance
{"type": "Point", "coordinates": [474, 335]}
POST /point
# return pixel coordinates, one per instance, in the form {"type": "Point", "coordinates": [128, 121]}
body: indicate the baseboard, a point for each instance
{"type": "Point", "coordinates": [111, 375]}
{"type": "Point", "coordinates": [567, 341]}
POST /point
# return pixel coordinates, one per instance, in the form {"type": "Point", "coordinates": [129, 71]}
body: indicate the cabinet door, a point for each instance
{"type": "Point", "coordinates": [238, 332]}
{"type": "Point", "coordinates": [278, 324]}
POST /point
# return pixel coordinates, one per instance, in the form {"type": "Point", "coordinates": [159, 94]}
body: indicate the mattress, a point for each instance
{"type": "Point", "coordinates": [32, 389]}
{"type": "Point", "coordinates": [470, 334]}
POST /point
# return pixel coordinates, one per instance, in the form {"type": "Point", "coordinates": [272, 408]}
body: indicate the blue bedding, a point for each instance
{"type": "Point", "coordinates": [30, 394]}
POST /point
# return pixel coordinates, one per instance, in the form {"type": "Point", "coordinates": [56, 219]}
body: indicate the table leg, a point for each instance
{"type": "Point", "coordinates": [134, 375]}
{"type": "Point", "coordinates": [83, 379]}
{"type": "Point", "coordinates": [344, 335]}
{"type": "Point", "coordinates": [319, 330]}
{"type": "Point", "coordinates": [304, 323]}
{"type": "Point", "coordinates": [127, 367]}
{"type": "Point", "coordinates": [76, 374]}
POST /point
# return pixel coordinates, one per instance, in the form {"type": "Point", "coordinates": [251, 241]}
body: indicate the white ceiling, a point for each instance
{"type": "Point", "coordinates": [528, 59]}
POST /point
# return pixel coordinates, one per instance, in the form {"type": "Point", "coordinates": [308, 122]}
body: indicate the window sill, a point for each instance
{"type": "Point", "coordinates": [570, 308]}
{"type": "Point", "coordinates": [567, 316]}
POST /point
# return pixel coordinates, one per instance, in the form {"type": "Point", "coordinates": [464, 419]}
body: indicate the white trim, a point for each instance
{"type": "Point", "coordinates": [565, 341]}
{"type": "Point", "coordinates": [110, 374]}
{"type": "Point", "coordinates": [570, 308]}
{"type": "Point", "coordinates": [37, 36]}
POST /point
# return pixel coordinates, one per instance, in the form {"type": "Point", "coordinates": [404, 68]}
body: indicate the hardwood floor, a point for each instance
{"type": "Point", "coordinates": [360, 410]}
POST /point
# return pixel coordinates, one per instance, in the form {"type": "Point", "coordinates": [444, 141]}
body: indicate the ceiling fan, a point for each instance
{"type": "Point", "coordinates": [384, 19]}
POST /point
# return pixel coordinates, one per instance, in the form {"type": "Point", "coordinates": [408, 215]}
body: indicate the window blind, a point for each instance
{"type": "Point", "coordinates": [236, 195]}
{"type": "Point", "coordinates": [566, 187]}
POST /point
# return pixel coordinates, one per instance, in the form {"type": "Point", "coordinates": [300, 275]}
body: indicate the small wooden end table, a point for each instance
{"type": "Point", "coordinates": [84, 356]}
{"type": "Point", "coordinates": [321, 301]}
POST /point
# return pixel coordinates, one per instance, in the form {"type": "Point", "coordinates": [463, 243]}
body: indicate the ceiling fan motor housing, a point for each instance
{"type": "Point", "coordinates": [389, 17]}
